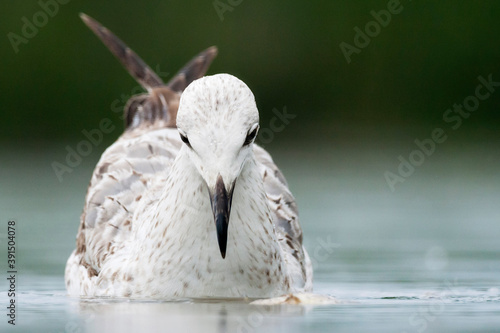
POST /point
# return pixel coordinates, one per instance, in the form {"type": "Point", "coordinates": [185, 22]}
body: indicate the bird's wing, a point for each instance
{"type": "Point", "coordinates": [286, 219]}
{"type": "Point", "coordinates": [121, 178]}
{"type": "Point", "coordinates": [144, 152]}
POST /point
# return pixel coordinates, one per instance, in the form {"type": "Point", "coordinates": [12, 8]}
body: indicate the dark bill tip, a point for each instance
{"type": "Point", "coordinates": [221, 207]}
{"type": "Point", "coordinates": [221, 224]}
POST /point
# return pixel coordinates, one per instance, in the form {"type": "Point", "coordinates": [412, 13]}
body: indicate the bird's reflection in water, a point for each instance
{"type": "Point", "coordinates": [207, 315]}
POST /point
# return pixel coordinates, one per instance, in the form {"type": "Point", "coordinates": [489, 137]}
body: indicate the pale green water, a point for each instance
{"type": "Point", "coordinates": [425, 258]}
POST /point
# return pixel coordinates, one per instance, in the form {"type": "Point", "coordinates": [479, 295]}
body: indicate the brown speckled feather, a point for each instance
{"type": "Point", "coordinates": [284, 210]}
{"type": "Point", "coordinates": [132, 62]}
{"type": "Point", "coordinates": [159, 106]}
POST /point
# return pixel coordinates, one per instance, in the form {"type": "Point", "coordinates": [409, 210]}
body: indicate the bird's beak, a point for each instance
{"type": "Point", "coordinates": [221, 207]}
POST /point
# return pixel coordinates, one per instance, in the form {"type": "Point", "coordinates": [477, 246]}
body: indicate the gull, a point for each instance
{"type": "Point", "coordinates": [185, 203]}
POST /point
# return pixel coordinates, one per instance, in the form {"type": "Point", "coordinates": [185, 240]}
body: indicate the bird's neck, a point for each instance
{"type": "Point", "coordinates": [182, 231]}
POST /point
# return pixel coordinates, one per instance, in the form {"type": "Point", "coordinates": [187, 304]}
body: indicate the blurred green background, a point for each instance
{"type": "Point", "coordinates": [352, 123]}
{"type": "Point", "coordinates": [63, 80]}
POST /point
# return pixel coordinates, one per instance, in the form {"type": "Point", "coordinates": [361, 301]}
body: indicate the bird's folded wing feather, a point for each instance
{"type": "Point", "coordinates": [120, 181]}
{"type": "Point", "coordinates": [285, 216]}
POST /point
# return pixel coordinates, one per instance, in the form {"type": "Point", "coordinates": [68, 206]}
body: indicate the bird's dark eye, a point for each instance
{"type": "Point", "coordinates": [185, 140]}
{"type": "Point", "coordinates": [251, 136]}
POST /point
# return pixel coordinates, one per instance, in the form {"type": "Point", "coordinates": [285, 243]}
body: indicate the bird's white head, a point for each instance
{"type": "Point", "coordinates": [218, 121]}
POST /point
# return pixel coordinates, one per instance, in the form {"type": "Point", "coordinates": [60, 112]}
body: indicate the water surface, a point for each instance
{"type": "Point", "coordinates": [424, 258]}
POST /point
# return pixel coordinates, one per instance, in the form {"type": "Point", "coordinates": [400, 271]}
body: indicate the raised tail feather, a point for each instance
{"type": "Point", "coordinates": [132, 62]}
{"type": "Point", "coordinates": [158, 107]}
{"type": "Point", "coordinates": [193, 70]}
